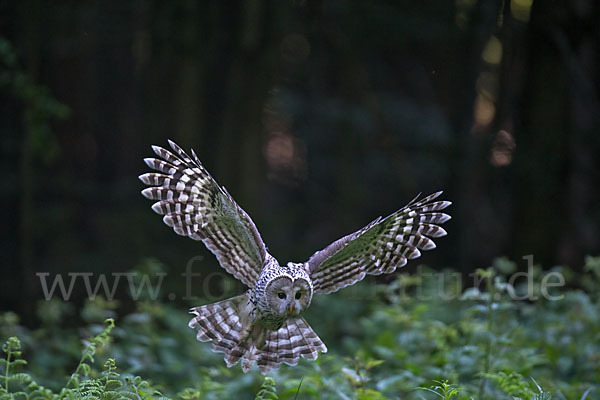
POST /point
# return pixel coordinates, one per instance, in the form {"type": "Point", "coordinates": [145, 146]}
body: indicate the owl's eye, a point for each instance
{"type": "Point", "coordinates": [281, 295]}
{"type": "Point", "coordinates": [298, 295]}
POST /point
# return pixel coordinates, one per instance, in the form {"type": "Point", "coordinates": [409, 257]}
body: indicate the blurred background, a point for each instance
{"type": "Point", "coordinates": [318, 116]}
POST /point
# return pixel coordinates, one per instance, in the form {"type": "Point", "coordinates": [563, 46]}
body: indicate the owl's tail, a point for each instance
{"type": "Point", "coordinates": [229, 325]}
{"type": "Point", "coordinates": [294, 339]}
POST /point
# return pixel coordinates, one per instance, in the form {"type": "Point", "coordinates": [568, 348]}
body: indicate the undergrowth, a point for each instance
{"type": "Point", "coordinates": [415, 338]}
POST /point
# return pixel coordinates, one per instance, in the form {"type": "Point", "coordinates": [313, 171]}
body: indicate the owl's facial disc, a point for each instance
{"type": "Point", "coordinates": [287, 297]}
{"type": "Point", "coordinates": [299, 297]}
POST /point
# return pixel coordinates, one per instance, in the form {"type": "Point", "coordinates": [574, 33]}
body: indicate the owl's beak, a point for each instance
{"type": "Point", "coordinates": [291, 308]}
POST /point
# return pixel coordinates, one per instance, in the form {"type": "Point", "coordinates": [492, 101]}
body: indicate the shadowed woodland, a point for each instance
{"type": "Point", "coordinates": [317, 116]}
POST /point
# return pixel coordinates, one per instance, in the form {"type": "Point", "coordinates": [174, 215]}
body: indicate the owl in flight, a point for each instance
{"type": "Point", "coordinates": [264, 325]}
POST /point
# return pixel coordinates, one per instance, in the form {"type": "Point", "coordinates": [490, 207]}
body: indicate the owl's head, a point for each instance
{"type": "Point", "coordinates": [288, 295]}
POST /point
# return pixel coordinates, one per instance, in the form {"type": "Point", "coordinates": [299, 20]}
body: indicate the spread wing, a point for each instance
{"type": "Point", "coordinates": [194, 205]}
{"type": "Point", "coordinates": [380, 247]}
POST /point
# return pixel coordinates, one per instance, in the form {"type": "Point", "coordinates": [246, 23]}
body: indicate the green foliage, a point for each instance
{"type": "Point", "coordinates": [84, 368]}
{"type": "Point", "coordinates": [12, 349]}
{"type": "Point", "coordinates": [443, 390]}
{"type": "Point", "coordinates": [267, 391]}
{"type": "Point", "coordinates": [81, 385]}
{"type": "Point", "coordinates": [384, 342]}
{"type": "Point", "coordinates": [511, 383]}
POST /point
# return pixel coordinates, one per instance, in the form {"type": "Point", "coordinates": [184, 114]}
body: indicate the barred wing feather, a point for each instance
{"type": "Point", "coordinates": [194, 205]}
{"type": "Point", "coordinates": [380, 247]}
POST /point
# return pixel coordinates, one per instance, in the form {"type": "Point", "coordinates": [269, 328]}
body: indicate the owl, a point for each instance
{"type": "Point", "coordinates": [264, 325]}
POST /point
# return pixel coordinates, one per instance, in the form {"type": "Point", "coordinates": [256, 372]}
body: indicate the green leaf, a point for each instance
{"type": "Point", "coordinates": [373, 363]}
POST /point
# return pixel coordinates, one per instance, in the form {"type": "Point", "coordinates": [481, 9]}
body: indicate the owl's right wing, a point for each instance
{"type": "Point", "coordinates": [194, 205]}
{"type": "Point", "coordinates": [380, 247]}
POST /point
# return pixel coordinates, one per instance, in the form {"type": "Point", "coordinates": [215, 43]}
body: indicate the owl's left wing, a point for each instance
{"type": "Point", "coordinates": [380, 247]}
{"type": "Point", "coordinates": [194, 205]}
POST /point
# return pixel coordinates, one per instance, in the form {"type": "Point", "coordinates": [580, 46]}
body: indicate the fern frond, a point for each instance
{"type": "Point", "coordinates": [83, 368]}
{"type": "Point", "coordinates": [267, 391]}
